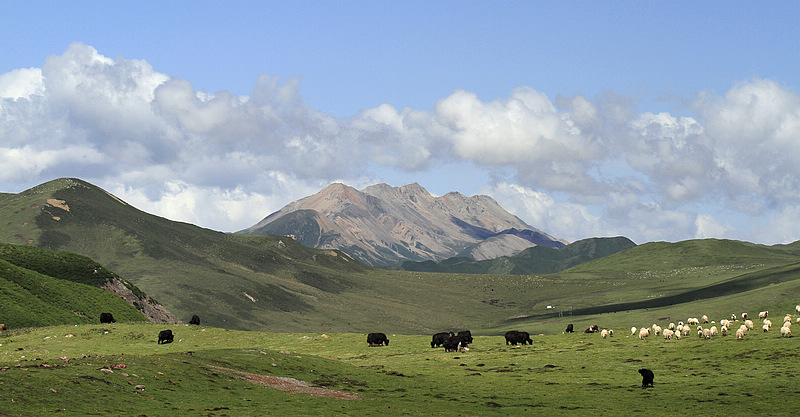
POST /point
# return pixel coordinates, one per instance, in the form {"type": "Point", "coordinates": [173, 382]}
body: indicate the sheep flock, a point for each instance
{"type": "Point", "coordinates": [706, 328]}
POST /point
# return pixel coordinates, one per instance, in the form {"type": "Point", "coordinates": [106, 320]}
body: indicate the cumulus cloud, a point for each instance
{"type": "Point", "coordinates": [571, 166]}
{"type": "Point", "coordinates": [755, 128]}
{"type": "Point", "coordinates": [21, 83]}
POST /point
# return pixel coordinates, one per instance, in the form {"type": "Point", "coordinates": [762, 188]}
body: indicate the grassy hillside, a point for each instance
{"type": "Point", "coordinates": [534, 260]}
{"type": "Point", "coordinates": [64, 265]}
{"type": "Point", "coordinates": [120, 370]}
{"type": "Point", "coordinates": [258, 282]}
{"type": "Point", "coordinates": [716, 276]}
{"type": "Point", "coordinates": [29, 298]}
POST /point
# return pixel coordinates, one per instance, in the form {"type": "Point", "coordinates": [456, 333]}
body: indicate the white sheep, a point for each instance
{"type": "Point", "coordinates": [678, 335]}
{"type": "Point", "coordinates": [798, 319]}
{"type": "Point", "coordinates": [611, 332]}
{"type": "Point", "coordinates": [704, 318]}
{"type": "Point", "coordinates": [787, 324]}
{"type": "Point", "coordinates": [740, 333]}
{"type": "Point", "coordinates": [686, 330]}
{"type": "Point", "coordinates": [706, 333]}
{"type": "Point", "coordinates": [668, 334]}
{"type": "Point", "coordinates": [763, 314]}
{"type": "Point", "coordinates": [733, 317]}
{"type": "Point", "coordinates": [797, 308]}
{"type": "Point", "coordinates": [671, 326]}
{"type": "Point", "coordinates": [724, 330]}
{"type": "Point", "coordinates": [786, 331]}
{"type": "Point", "coordinates": [633, 331]}
{"type": "Point", "coordinates": [744, 316]}
{"type": "Point", "coordinates": [657, 330]}
{"type": "Point", "coordinates": [692, 321]}
{"type": "Point", "coordinates": [644, 332]}
{"type": "Point", "coordinates": [749, 324]}
{"type": "Point", "coordinates": [767, 324]}
{"type": "Point", "coordinates": [787, 318]}
{"type": "Point", "coordinates": [765, 327]}
{"type": "Point", "coordinates": [724, 322]}
{"type": "Point", "coordinates": [713, 330]}
{"type": "Point", "coordinates": [604, 333]}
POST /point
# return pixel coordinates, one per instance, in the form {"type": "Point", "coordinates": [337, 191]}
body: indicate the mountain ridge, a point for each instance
{"type": "Point", "coordinates": [533, 260]}
{"type": "Point", "coordinates": [382, 224]}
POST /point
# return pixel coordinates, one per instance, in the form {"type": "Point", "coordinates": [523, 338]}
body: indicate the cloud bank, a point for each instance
{"type": "Point", "coordinates": [574, 167]}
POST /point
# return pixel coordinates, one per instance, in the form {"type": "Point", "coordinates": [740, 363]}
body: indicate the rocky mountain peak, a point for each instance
{"type": "Point", "coordinates": [382, 224]}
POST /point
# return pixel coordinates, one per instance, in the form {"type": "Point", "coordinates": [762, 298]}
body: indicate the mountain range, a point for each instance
{"type": "Point", "coordinates": [534, 260]}
{"type": "Point", "coordinates": [275, 283]}
{"type": "Point", "coordinates": [382, 225]}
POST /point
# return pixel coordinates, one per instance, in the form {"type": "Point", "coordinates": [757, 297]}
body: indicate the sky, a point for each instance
{"type": "Point", "coordinates": [658, 122]}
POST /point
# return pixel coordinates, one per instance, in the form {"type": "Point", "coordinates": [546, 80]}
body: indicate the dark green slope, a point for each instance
{"type": "Point", "coordinates": [534, 260]}
{"type": "Point", "coordinates": [44, 292]}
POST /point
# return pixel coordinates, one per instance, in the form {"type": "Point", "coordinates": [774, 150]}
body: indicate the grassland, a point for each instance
{"type": "Point", "coordinates": [212, 371]}
{"type": "Point", "coordinates": [316, 307]}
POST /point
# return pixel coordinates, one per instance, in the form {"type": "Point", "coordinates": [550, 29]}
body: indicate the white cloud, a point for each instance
{"type": "Point", "coordinates": [708, 226]}
{"type": "Point", "coordinates": [563, 220]}
{"type": "Point", "coordinates": [21, 83]}
{"type": "Point", "coordinates": [754, 128]}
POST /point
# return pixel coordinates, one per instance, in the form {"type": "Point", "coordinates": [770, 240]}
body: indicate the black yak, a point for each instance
{"type": "Point", "coordinates": [165, 336]}
{"type": "Point", "coordinates": [455, 343]}
{"type": "Point", "coordinates": [513, 337]}
{"type": "Point", "coordinates": [106, 318]}
{"type": "Point", "coordinates": [439, 339]}
{"type": "Point", "coordinates": [647, 377]}
{"type": "Point", "coordinates": [377, 339]}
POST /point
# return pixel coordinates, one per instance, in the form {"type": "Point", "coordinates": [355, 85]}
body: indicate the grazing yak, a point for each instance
{"type": "Point", "coordinates": [570, 329]}
{"type": "Point", "coordinates": [465, 335]}
{"type": "Point", "coordinates": [377, 339]}
{"type": "Point", "coordinates": [592, 329]}
{"type": "Point", "coordinates": [195, 320]}
{"type": "Point", "coordinates": [165, 336]}
{"type": "Point", "coordinates": [456, 343]}
{"type": "Point", "coordinates": [440, 338]}
{"type": "Point", "coordinates": [106, 318]}
{"type": "Point", "coordinates": [513, 337]}
{"type": "Point", "coordinates": [647, 377]}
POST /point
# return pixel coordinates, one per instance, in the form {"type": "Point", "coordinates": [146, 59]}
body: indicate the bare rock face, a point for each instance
{"type": "Point", "coordinates": [154, 312]}
{"type": "Point", "coordinates": [381, 224]}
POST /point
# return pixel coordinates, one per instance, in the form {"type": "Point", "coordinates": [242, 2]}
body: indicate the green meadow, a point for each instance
{"type": "Point", "coordinates": [119, 369]}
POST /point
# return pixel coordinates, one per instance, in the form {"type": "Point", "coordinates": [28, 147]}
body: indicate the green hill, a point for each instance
{"type": "Point", "coordinates": [534, 260]}
{"type": "Point", "coordinates": [41, 288]}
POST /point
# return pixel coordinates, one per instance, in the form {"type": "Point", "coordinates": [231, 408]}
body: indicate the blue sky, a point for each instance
{"type": "Point", "coordinates": [653, 121]}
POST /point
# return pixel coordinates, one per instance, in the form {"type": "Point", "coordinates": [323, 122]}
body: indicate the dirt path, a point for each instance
{"type": "Point", "coordinates": [288, 384]}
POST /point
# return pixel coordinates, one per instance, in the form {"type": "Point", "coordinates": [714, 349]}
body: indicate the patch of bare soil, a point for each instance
{"type": "Point", "coordinates": [287, 384]}
{"type": "Point", "coordinates": [58, 203]}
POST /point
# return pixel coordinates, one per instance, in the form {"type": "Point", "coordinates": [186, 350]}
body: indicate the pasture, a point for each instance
{"type": "Point", "coordinates": [119, 369]}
